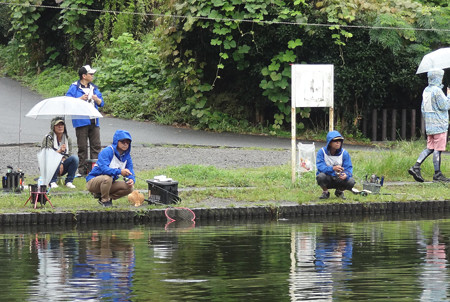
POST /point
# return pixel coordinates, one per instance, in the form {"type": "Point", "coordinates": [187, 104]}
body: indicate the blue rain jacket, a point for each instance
{"type": "Point", "coordinates": [321, 165]}
{"type": "Point", "coordinates": [106, 156]}
{"type": "Point", "coordinates": [76, 91]}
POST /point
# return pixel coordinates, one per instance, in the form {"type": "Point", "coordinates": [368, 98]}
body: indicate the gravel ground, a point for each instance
{"type": "Point", "coordinates": [147, 158]}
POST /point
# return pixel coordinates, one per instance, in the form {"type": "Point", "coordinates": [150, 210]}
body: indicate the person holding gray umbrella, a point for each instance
{"type": "Point", "coordinates": [58, 140]}
{"type": "Point", "coordinates": [435, 107]}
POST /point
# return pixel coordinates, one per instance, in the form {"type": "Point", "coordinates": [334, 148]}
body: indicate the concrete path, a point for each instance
{"type": "Point", "coordinates": [16, 101]}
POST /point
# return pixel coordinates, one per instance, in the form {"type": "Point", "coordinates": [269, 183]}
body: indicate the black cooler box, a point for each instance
{"type": "Point", "coordinates": [162, 191]}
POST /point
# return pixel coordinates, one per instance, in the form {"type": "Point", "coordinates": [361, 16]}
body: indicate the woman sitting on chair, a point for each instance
{"type": "Point", "coordinates": [58, 140]}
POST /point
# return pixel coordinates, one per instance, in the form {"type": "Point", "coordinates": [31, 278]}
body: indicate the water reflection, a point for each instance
{"type": "Point", "coordinates": [320, 264]}
{"type": "Point", "coordinates": [88, 266]}
{"type": "Point", "coordinates": [270, 261]}
{"type": "Point", "coordinates": [433, 276]}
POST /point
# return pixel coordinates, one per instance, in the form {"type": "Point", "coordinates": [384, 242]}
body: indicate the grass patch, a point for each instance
{"type": "Point", "coordinates": [266, 185]}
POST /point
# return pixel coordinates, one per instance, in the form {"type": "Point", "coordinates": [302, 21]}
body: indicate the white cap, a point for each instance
{"type": "Point", "coordinates": [89, 69]}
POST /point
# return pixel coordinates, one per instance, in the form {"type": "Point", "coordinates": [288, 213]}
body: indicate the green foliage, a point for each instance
{"type": "Point", "coordinates": [226, 63]}
{"type": "Point", "coordinates": [129, 62]}
{"type": "Point", "coordinates": [5, 23]}
{"type": "Point", "coordinates": [235, 47]}
{"type": "Point", "coordinates": [392, 39]}
{"type": "Point", "coordinates": [23, 23]}
{"type": "Point", "coordinates": [72, 34]}
{"type": "Point", "coordinates": [10, 62]}
{"type": "Point", "coordinates": [52, 82]}
{"type": "Point", "coordinates": [112, 25]}
{"type": "Point", "coordinates": [276, 85]}
{"type": "Point", "coordinates": [131, 80]}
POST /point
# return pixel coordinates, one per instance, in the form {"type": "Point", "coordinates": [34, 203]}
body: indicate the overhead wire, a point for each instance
{"type": "Point", "coordinates": [268, 22]}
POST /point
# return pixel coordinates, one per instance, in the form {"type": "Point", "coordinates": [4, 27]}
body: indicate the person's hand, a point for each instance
{"type": "Point", "coordinates": [84, 97]}
{"type": "Point", "coordinates": [96, 99]}
{"type": "Point", "coordinates": [61, 169]}
{"type": "Point", "coordinates": [130, 182]}
{"type": "Point", "coordinates": [338, 169]}
{"type": "Point", "coordinates": [62, 149]}
{"type": "Point", "coordinates": [343, 176]}
{"type": "Point", "coordinates": [125, 172]}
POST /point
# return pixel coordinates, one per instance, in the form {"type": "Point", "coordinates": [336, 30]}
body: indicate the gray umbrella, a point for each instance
{"type": "Point", "coordinates": [436, 60]}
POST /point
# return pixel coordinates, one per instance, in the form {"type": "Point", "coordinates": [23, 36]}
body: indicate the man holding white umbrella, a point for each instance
{"type": "Point", "coordinates": [85, 128]}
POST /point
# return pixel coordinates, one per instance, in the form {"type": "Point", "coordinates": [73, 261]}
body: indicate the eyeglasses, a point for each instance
{"type": "Point", "coordinates": [125, 141]}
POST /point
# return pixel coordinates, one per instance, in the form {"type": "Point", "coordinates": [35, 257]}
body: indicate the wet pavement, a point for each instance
{"type": "Point", "coordinates": [16, 101]}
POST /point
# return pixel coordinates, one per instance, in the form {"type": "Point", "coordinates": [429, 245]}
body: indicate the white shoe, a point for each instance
{"type": "Point", "coordinates": [54, 185]}
{"type": "Point", "coordinates": [70, 185]}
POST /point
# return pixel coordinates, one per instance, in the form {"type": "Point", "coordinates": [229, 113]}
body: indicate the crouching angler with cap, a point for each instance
{"type": "Point", "coordinates": [86, 129]}
{"type": "Point", "coordinates": [58, 140]}
{"type": "Point", "coordinates": [435, 107]}
{"type": "Point", "coordinates": [334, 167]}
{"type": "Point", "coordinates": [113, 161]}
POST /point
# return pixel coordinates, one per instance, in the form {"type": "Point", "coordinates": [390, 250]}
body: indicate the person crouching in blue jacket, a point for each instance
{"type": "Point", "coordinates": [113, 161]}
{"type": "Point", "coordinates": [334, 167]}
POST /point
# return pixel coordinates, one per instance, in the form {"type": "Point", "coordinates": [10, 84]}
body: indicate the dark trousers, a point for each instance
{"type": "Point", "coordinates": [84, 134]}
{"type": "Point", "coordinates": [70, 166]}
{"type": "Point", "coordinates": [330, 182]}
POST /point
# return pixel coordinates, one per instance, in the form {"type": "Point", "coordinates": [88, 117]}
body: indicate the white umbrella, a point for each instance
{"type": "Point", "coordinates": [49, 161]}
{"type": "Point", "coordinates": [63, 106]}
{"type": "Point", "coordinates": [438, 59]}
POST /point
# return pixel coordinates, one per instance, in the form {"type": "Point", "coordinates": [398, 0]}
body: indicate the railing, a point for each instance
{"type": "Point", "coordinates": [388, 124]}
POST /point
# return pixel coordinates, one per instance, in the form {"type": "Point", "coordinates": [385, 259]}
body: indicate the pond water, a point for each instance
{"type": "Point", "coordinates": [291, 260]}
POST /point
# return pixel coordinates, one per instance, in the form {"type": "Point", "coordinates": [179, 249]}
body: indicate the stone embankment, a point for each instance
{"type": "Point", "coordinates": [236, 213]}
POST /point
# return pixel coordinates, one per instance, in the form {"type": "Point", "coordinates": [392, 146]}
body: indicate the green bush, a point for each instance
{"type": "Point", "coordinates": [54, 81]}
{"type": "Point", "coordinates": [129, 76]}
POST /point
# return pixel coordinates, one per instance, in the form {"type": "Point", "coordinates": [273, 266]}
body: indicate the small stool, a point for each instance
{"type": "Point", "coordinates": [38, 195]}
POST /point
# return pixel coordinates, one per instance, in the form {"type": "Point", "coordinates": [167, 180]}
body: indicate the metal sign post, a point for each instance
{"type": "Point", "coordinates": [311, 86]}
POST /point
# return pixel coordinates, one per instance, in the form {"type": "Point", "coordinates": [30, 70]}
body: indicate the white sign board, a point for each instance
{"type": "Point", "coordinates": [312, 85]}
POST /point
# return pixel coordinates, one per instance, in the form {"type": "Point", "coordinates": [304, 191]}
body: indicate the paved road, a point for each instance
{"type": "Point", "coordinates": [16, 101]}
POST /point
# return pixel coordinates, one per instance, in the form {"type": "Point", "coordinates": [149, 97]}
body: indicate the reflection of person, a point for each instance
{"type": "Point", "coordinates": [113, 161]}
{"type": "Point", "coordinates": [86, 129]}
{"type": "Point", "coordinates": [106, 266]}
{"type": "Point", "coordinates": [435, 106]}
{"type": "Point", "coordinates": [334, 167]}
{"type": "Point", "coordinates": [58, 140]}
{"type": "Point", "coordinates": [433, 270]}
